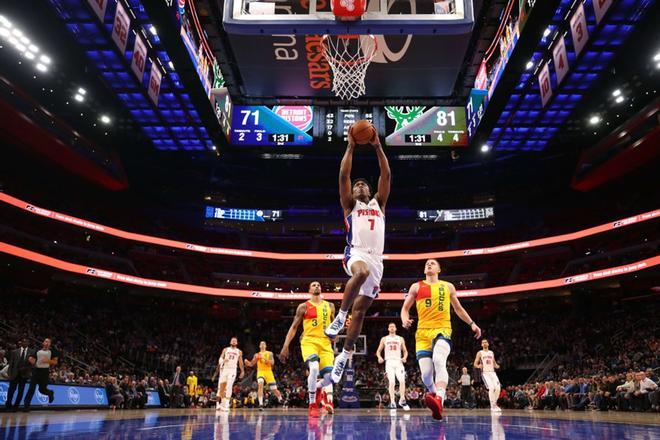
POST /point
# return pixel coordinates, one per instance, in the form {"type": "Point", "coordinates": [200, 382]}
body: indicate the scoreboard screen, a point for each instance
{"type": "Point", "coordinates": [246, 215]}
{"type": "Point", "coordinates": [279, 125]}
{"type": "Point", "coordinates": [332, 123]}
{"type": "Point", "coordinates": [456, 215]}
{"type": "Point", "coordinates": [426, 126]}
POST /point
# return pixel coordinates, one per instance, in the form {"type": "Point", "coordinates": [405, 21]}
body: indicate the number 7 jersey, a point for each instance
{"type": "Point", "coordinates": [365, 227]}
{"type": "Point", "coordinates": [433, 303]}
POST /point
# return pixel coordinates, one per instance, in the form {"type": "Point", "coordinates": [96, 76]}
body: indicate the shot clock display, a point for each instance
{"type": "Point", "coordinates": [426, 126]}
{"type": "Point", "coordinates": [280, 125]}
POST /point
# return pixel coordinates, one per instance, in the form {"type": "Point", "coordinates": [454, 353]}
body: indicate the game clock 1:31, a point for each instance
{"type": "Point", "coordinates": [280, 138]}
{"type": "Point", "coordinates": [417, 138]}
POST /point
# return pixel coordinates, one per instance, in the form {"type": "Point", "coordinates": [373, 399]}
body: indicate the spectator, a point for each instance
{"type": "Point", "coordinates": [19, 370]}
{"type": "Point", "coordinates": [177, 388]}
{"type": "Point", "coordinates": [163, 394]}
{"type": "Point", "coordinates": [115, 397]}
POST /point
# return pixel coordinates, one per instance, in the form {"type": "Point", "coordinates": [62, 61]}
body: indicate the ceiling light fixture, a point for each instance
{"type": "Point", "coordinates": [485, 148]}
{"type": "Point", "coordinates": [595, 119]}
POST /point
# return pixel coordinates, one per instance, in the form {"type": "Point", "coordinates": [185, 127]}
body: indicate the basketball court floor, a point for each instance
{"type": "Point", "coordinates": [345, 425]}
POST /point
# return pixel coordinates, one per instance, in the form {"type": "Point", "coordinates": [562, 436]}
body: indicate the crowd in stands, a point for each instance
{"type": "Point", "coordinates": [595, 355]}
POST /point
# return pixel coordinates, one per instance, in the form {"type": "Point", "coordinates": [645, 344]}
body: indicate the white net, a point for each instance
{"type": "Point", "coordinates": [349, 57]}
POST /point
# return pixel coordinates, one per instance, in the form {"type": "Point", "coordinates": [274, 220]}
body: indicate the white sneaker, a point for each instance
{"type": "Point", "coordinates": [334, 328]}
{"type": "Point", "coordinates": [338, 368]}
{"type": "Point", "coordinates": [495, 409]}
{"type": "Point", "coordinates": [391, 406]}
{"type": "Point", "coordinates": [404, 405]}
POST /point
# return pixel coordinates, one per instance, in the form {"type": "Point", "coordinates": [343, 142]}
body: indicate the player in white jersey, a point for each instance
{"type": "Point", "coordinates": [363, 257]}
{"type": "Point", "coordinates": [230, 358]}
{"type": "Point", "coordinates": [396, 354]}
{"type": "Point", "coordinates": [486, 361]}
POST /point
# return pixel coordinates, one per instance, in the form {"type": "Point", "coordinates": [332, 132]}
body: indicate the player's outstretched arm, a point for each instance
{"type": "Point", "coordinates": [385, 178]}
{"type": "Point", "coordinates": [252, 362]}
{"type": "Point", "coordinates": [380, 349]}
{"type": "Point", "coordinates": [300, 314]}
{"type": "Point", "coordinates": [460, 311]}
{"type": "Point", "coordinates": [406, 322]}
{"type": "Point", "coordinates": [345, 190]}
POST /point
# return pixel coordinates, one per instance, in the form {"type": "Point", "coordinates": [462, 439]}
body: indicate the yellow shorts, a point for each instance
{"type": "Point", "coordinates": [425, 339]}
{"type": "Point", "coordinates": [267, 376]}
{"type": "Point", "coordinates": [318, 349]}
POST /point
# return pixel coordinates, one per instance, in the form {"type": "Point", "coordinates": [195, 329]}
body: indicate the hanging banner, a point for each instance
{"type": "Point", "coordinates": [139, 57]}
{"type": "Point", "coordinates": [120, 28]}
{"type": "Point", "coordinates": [560, 59]}
{"type": "Point", "coordinates": [481, 82]}
{"type": "Point", "coordinates": [99, 7]}
{"type": "Point", "coordinates": [600, 8]}
{"type": "Point", "coordinates": [579, 29]}
{"type": "Point", "coordinates": [154, 82]}
{"type": "Point", "coordinates": [544, 84]}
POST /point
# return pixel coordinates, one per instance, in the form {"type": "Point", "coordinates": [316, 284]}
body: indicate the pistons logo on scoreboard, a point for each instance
{"type": "Point", "coordinates": [300, 116]}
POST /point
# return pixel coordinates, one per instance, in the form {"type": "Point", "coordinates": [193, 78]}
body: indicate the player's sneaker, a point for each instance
{"type": "Point", "coordinates": [319, 397]}
{"type": "Point", "coordinates": [338, 368]}
{"type": "Point", "coordinates": [495, 409]}
{"type": "Point", "coordinates": [313, 410]}
{"type": "Point", "coordinates": [334, 328]}
{"type": "Point", "coordinates": [404, 405]}
{"type": "Point", "coordinates": [434, 403]}
{"type": "Point", "coordinates": [326, 404]}
{"type": "Point", "coordinates": [261, 407]}
{"type": "Point", "coordinates": [392, 405]}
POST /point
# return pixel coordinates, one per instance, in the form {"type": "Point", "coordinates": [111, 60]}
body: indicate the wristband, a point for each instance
{"type": "Point", "coordinates": [471, 323]}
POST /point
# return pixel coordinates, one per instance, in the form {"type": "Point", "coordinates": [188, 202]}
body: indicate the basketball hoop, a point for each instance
{"type": "Point", "coordinates": [349, 57]}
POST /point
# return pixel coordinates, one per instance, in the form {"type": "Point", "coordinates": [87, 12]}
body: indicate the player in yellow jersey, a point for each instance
{"type": "Point", "coordinates": [434, 299]}
{"type": "Point", "coordinates": [264, 361]}
{"type": "Point", "coordinates": [315, 314]}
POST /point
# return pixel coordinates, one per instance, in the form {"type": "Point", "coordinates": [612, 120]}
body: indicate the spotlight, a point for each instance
{"type": "Point", "coordinates": [616, 93]}
{"type": "Point", "coordinates": [529, 65]}
{"type": "Point", "coordinates": [656, 57]}
{"type": "Point", "coordinates": [594, 120]}
{"type": "Point", "coordinates": [82, 91]}
{"type": "Point", "coordinates": [105, 119]}
{"type": "Point", "coordinates": [4, 22]}
{"type": "Point", "coordinates": [485, 148]}
{"type": "Point", "coordinates": [44, 59]}
{"type": "Point", "coordinates": [213, 147]}
{"type": "Point", "coordinates": [28, 55]}
{"type": "Point", "coordinates": [78, 97]}
{"type": "Point", "coordinates": [152, 30]}
{"type": "Point", "coordinates": [619, 99]}
{"type": "Point", "coordinates": [17, 32]}
{"type": "Point", "coordinates": [19, 47]}
{"type": "Point", "coordinates": [33, 48]}
{"type": "Point", "coordinates": [171, 64]}
{"type": "Point", "coordinates": [546, 32]}
{"type": "Point", "coordinates": [41, 67]}
{"type": "Point", "coordinates": [25, 40]}
{"type": "Point", "coordinates": [4, 32]}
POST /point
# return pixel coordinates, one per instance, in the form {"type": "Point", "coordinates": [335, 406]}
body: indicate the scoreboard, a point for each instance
{"type": "Point", "coordinates": [288, 125]}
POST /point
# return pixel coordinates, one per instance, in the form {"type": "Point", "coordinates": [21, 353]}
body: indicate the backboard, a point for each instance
{"type": "Point", "coordinates": [277, 46]}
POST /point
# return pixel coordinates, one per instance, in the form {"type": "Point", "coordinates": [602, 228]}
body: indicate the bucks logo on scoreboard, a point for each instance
{"type": "Point", "coordinates": [419, 126]}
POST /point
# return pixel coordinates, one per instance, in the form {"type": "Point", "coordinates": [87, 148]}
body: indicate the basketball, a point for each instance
{"type": "Point", "coordinates": [363, 132]}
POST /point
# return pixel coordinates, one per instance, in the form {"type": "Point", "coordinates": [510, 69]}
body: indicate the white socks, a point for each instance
{"type": "Point", "coordinates": [440, 354]}
{"type": "Point", "coordinates": [426, 367]}
{"type": "Point", "coordinates": [311, 380]}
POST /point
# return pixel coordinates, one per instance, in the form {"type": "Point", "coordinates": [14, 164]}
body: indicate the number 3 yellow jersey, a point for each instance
{"type": "Point", "coordinates": [316, 319]}
{"type": "Point", "coordinates": [433, 302]}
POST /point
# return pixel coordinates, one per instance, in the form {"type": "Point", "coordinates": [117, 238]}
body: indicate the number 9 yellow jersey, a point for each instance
{"type": "Point", "coordinates": [433, 303]}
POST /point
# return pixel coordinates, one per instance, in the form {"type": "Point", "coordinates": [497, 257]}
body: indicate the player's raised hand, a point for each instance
{"type": "Point", "coordinates": [477, 331]}
{"type": "Point", "coordinates": [284, 354]}
{"type": "Point", "coordinates": [351, 141]}
{"type": "Point", "coordinates": [407, 322]}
